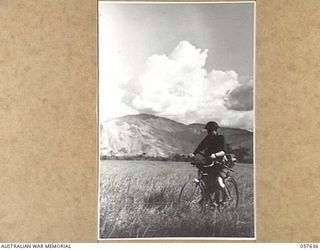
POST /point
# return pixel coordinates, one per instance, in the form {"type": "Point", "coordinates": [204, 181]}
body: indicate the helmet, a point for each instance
{"type": "Point", "coordinates": [212, 125]}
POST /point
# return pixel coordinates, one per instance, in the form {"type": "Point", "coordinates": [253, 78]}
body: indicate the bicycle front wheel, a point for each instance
{"type": "Point", "coordinates": [191, 196]}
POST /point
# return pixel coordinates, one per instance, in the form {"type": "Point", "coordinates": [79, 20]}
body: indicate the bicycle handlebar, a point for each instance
{"type": "Point", "coordinates": [213, 164]}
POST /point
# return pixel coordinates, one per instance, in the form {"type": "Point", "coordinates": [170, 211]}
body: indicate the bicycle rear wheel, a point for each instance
{"type": "Point", "coordinates": [192, 196]}
{"type": "Point", "coordinates": [232, 188]}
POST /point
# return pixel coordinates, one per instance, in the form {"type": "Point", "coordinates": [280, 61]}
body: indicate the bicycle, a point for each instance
{"type": "Point", "coordinates": [194, 194]}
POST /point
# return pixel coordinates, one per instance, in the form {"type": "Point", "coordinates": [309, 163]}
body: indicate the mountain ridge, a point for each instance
{"type": "Point", "coordinates": [150, 135]}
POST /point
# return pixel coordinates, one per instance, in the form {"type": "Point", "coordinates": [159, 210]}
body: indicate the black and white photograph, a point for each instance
{"type": "Point", "coordinates": [176, 120]}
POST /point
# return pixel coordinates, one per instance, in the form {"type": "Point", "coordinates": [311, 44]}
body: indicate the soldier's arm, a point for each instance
{"type": "Point", "coordinates": [221, 148]}
{"type": "Point", "coordinates": [201, 146]}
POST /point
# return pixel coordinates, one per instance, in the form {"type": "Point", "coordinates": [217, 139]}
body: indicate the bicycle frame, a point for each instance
{"type": "Point", "coordinates": [213, 196]}
{"type": "Point", "coordinates": [201, 180]}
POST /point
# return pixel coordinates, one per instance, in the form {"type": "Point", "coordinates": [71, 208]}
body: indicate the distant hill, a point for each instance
{"type": "Point", "coordinates": [155, 136]}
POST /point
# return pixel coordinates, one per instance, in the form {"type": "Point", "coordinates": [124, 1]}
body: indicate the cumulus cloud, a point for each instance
{"type": "Point", "coordinates": [240, 98]}
{"type": "Point", "coordinates": [178, 86]}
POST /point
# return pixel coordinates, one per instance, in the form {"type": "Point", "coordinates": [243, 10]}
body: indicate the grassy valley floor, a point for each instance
{"type": "Point", "coordinates": [140, 199]}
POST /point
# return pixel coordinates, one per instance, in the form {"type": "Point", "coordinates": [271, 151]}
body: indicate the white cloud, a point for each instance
{"type": "Point", "coordinates": [240, 98]}
{"type": "Point", "coordinates": [179, 87]}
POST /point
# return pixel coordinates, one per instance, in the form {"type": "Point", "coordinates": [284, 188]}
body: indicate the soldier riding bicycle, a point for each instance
{"type": "Point", "coordinates": [211, 153]}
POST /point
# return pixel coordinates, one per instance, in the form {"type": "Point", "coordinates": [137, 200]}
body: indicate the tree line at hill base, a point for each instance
{"type": "Point", "coordinates": [242, 155]}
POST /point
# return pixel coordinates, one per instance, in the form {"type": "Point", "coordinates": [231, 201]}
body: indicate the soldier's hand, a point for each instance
{"type": "Point", "coordinates": [191, 155]}
{"type": "Point", "coordinates": [213, 156]}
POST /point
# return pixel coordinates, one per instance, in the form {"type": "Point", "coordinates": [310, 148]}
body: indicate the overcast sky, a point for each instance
{"type": "Point", "coordinates": [187, 62]}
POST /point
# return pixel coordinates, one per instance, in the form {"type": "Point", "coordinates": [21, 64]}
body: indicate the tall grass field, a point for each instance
{"type": "Point", "coordinates": [139, 199]}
